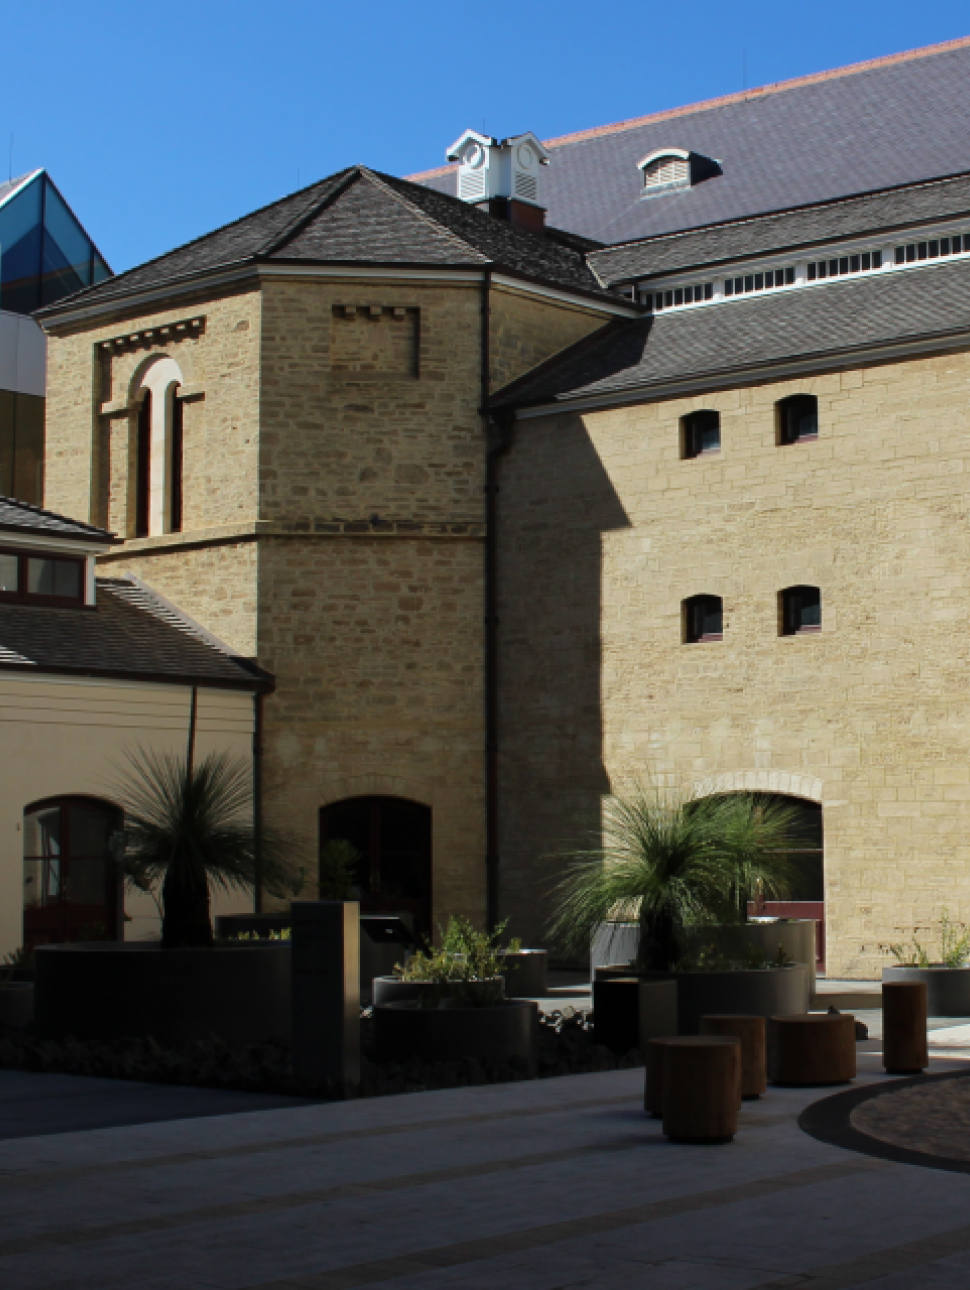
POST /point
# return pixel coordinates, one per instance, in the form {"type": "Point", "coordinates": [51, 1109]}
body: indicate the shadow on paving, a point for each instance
{"type": "Point", "coordinates": [34, 1105]}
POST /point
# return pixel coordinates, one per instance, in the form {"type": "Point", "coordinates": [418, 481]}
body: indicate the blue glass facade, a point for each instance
{"type": "Point", "coordinates": [45, 254]}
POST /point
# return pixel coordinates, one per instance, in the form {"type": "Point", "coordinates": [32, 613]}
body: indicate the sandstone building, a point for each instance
{"type": "Point", "coordinates": [515, 515]}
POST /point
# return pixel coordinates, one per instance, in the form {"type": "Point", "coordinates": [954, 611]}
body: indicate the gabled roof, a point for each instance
{"type": "Point", "coordinates": [360, 217]}
{"type": "Point", "coordinates": [21, 517]}
{"type": "Point", "coordinates": [851, 217]}
{"type": "Point", "coordinates": [133, 634]}
{"type": "Point", "coordinates": [831, 324]}
{"type": "Point", "coordinates": [872, 126]}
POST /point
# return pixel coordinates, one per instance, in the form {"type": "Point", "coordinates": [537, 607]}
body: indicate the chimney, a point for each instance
{"type": "Point", "coordinates": [502, 177]}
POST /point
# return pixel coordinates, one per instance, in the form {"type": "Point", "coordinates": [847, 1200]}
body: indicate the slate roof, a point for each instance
{"type": "Point", "coordinates": [359, 216]}
{"type": "Point", "coordinates": [132, 634]}
{"type": "Point", "coordinates": [20, 517]}
{"type": "Point", "coordinates": [837, 318]}
{"type": "Point", "coordinates": [878, 125]}
{"type": "Point", "coordinates": [835, 221]}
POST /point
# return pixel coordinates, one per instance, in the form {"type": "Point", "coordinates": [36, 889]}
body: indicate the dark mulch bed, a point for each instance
{"type": "Point", "coordinates": [566, 1047]}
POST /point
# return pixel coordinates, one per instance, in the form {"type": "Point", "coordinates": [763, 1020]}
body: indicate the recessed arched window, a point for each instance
{"type": "Point", "coordinates": [703, 619]}
{"type": "Point", "coordinates": [72, 884]}
{"type": "Point", "coordinates": [800, 610]}
{"type": "Point", "coordinates": [700, 434]}
{"type": "Point", "coordinates": [796, 419]}
{"type": "Point", "coordinates": [158, 454]}
{"type": "Point", "coordinates": [392, 836]}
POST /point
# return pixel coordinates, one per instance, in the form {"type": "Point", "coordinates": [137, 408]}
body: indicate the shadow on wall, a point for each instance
{"type": "Point", "coordinates": [556, 502]}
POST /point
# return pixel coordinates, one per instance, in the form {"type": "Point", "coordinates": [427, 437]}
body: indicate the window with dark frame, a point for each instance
{"type": "Point", "coordinates": [37, 578]}
{"type": "Point", "coordinates": [703, 619]}
{"type": "Point", "coordinates": [175, 507]}
{"type": "Point", "coordinates": [800, 610]}
{"type": "Point", "coordinates": [143, 466]}
{"type": "Point", "coordinates": [700, 433]}
{"type": "Point", "coordinates": [797, 419]}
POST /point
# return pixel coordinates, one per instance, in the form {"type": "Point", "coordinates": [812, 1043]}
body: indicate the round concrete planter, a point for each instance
{"type": "Point", "coordinates": [760, 992]}
{"type": "Point", "coordinates": [510, 1030]}
{"type": "Point", "coordinates": [947, 989]}
{"type": "Point", "coordinates": [238, 991]}
{"type": "Point", "coordinates": [391, 989]}
{"type": "Point", "coordinates": [526, 974]}
{"type": "Point", "coordinates": [17, 1005]}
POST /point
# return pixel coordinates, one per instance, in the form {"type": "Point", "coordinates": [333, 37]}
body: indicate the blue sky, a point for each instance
{"type": "Point", "coordinates": [161, 122]}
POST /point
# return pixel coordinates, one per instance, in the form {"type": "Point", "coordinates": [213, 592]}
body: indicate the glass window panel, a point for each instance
{"type": "Point", "coordinates": [9, 572]}
{"type": "Point", "coordinates": [790, 275]}
{"type": "Point", "coordinates": [810, 609]}
{"type": "Point", "coordinates": [47, 577]}
{"type": "Point", "coordinates": [42, 882]}
{"type": "Point", "coordinates": [67, 250]}
{"type": "Point", "coordinates": [28, 469]}
{"type": "Point", "coordinates": [921, 251]}
{"type": "Point", "coordinates": [759, 282]}
{"type": "Point", "coordinates": [678, 296]}
{"type": "Point", "coordinates": [42, 832]}
{"type": "Point", "coordinates": [877, 259]}
{"type": "Point", "coordinates": [900, 254]}
{"type": "Point", "coordinates": [709, 291]}
{"type": "Point", "coordinates": [90, 830]}
{"type": "Point", "coordinates": [749, 282]}
{"type": "Point", "coordinates": [8, 414]}
{"type": "Point", "coordinates": [729, 286]}
{"type": "Point", "coordinates": [101, 270]}
{"type": "Point", "coordinates": [20, 248]}
{"type": "Point", "coordinates": [88, 884]}
{"type": "Point", "coordinates": [866, 261]}
{"type": "Point", "coordinates": [853, 264]}
{"type": "Point", "coordinates": [944, 246]}
{"type": "Point", "coordinates": [934, 249]}
{"type": "Point", "coordinates": [711, 617]}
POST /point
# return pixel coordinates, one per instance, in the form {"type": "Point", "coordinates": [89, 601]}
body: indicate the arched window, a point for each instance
{"type": "Point", "coordinates": [393, 838]}
{"type": "Point", "coordinates": [666, 168]}
{"type": "Point", "coordinates": [703, 619]}
{"type": "Point", "coordinates": [799, 610]}
{"type": "Point", "coordinates": [158, 500]}
{"type": "Point", "coordinates": [796, 419]}
{"type": "Point", "coordinates": [700, 434]}
{"type": "Point", "coordinates": [72, 885]}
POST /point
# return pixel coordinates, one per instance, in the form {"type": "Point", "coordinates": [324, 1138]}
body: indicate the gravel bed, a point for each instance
{"type": "Point", "coordinates": [566, 1047]}
{"type": "Point", "coordinates": [934, 1118]}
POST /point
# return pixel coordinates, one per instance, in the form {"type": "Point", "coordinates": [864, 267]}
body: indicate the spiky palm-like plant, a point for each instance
{"type": "Point", "coordinates": [671, 862]}
{"type": "Point", "coordinates": [189, 826]}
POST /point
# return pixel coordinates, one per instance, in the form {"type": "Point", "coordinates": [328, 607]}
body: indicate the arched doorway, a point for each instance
{"type": "Point", "coordinates": [72, 886]}
{"type": "Point", "coordinates": [807, 855]}
{"type": "Point", "coordinates": [393, 838]}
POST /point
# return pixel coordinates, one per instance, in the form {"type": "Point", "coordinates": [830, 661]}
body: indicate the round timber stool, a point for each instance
{"type": "Point", "coordinates": [653, 1083]}
{"type": "Point", "coordinates": [702, 1077]}
{"type": "Point", "coordinates": [904, 1005]}
{"type": "Point", "coordinates": [812, 1049]}
{"type": "Point", "coordinates": [754, 1061]}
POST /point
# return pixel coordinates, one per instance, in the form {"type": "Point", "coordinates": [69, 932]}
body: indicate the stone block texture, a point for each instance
{"type": "Point", "coordinates": [604, 530]}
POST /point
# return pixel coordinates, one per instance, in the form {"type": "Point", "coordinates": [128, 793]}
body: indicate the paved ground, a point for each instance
{"type": "Point", "coordinates": [551, 1185]}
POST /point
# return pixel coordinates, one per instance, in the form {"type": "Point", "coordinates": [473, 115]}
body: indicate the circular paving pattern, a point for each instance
{"type": "Point", "coordinates": [920, 1121]}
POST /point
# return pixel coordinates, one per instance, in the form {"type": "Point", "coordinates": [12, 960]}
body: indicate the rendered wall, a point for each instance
{"type": "Point", "coordinates": [604, 531]}
{"type": "Point", "coordinates": [70, 735]}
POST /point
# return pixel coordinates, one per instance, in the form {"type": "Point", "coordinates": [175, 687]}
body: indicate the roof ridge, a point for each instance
{"type": "Point", "coordinates": [739, 96]}
{"type": "Point", "coordinates": [21, 182]}
{"type": "Point", "coordinates": [762, 216]}
{"type": "Point", "coordinates": [380, 180]}
{"type": "Point", "coordinates": [55, 515]}
{"type": "Point", "coordinates": [348, 176]}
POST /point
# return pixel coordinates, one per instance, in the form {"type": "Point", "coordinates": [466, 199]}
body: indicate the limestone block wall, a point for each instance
{"type": "Point", "coordinates": [376, 647]}
{"type": "Point", "coordinates": [525, 330]}
{"type": "Point", "coordinates": [604, 531]}
{"type": "Point", "coordinates": [91, 413]}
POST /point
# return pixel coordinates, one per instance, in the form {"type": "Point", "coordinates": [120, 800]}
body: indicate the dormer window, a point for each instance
{"type": "Point", "coordinates": [665, 169]}
{"type": "Point", "coordinates": [38, 578]}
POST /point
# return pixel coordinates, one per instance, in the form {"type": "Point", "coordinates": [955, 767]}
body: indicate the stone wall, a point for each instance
{"type": "Point", "coordinates": [604, 531]}
{"type": "Point", "coordinates": [525, 330]}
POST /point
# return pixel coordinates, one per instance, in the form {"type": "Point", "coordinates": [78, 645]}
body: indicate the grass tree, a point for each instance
{"type": "Point", "coordinates": [188, 828]}
{"type": "Point", "coordinates": [670, 863]}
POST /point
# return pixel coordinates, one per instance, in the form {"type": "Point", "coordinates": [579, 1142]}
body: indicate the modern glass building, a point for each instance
{"type": "Point", "coordinates": [45, 255]}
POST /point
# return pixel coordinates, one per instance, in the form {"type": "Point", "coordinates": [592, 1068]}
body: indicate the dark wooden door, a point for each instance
{"type": "Point", "coordinates": [72, 887]}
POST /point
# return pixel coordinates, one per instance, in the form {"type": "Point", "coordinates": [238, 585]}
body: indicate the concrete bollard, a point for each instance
{"type": "Point", "coordinates": [326, 994]}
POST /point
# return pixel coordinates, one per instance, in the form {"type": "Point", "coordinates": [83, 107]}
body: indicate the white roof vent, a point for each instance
{"type": "Point", "coordinates": [489, 168]}
{"type": "Point", "coordinates": [667, 169]}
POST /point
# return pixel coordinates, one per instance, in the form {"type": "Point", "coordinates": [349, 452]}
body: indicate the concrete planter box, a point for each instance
{"type": "Point", "coordinates": [511, 1030]}
{"type": "Point", "coordinates": [947, 989]}
{"type": "Point", "coordinates": [238, 991]}
{"type": "Point", "coordinates": [227, 925]}
{"type": "Point", "coordinates": [761, 992]}
{"type": "Point", "coordinates": [526, 974]}
{"type": "Point", "coordinates": [391, 989]}
{"type": "Point", "coordinates": [17, 1005]}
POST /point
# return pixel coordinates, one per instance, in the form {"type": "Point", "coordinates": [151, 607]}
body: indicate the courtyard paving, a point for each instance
{"type": "Point", "coordinates": [535, 1186]}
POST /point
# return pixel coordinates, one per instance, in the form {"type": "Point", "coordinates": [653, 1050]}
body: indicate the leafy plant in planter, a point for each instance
{"type": "Point", "coordinates": [190, 826]}
{"type": "Point", "coordinates": [466, 968]}
{"type": "Point", "coordinates": [954, 947]}
{"type": "Point", "coordinates": [671, 863]}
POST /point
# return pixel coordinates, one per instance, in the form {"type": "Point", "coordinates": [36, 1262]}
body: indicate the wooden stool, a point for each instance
{"type": "Point", "coordinates": [653, 1084]}
{"type": "Point", "coordinates": [751, 1032]}
{"type": "Point", "coordinates": [702, 1079]}
{"type": "Point", "coordinates": [812, 1048]}
{"type": "Point", "coordinates": [904, 1005]}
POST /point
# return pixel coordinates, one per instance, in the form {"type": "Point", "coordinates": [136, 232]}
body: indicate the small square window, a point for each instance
{"type": "Point", "coordinates": [854, 263]}
{"type": "Point", "coordinates": [866, 261]}
{"type": "Point", "coordinates": [877, 259]}
{"type": "Point", "coordinates": [900, 254]}
{"type": "Point", "coordinates": [944, 246]}
{"type": "Point", "coordinates": [60, 578]}
{"type": "Point", "coordinates": [700, 434]}
{"type": "Point", "coordinates": [801, 610]}
{"type": "Point", "coordinates": [749, 282]}
{"type": "Point", "coordinates": [708, 290]}
{"type": "Point", "coordinates": [811, 272]}
{"type": "Point", "coordinates": [759, 282]}
{"type": "Point", "coordinates": [934, 250]}
{"type": "Point", "coordinates": [797, 419]}
{"type": "Point", "coordinates": [703, 618]}
{"type": "Point", "coordinates": [921, 250]}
